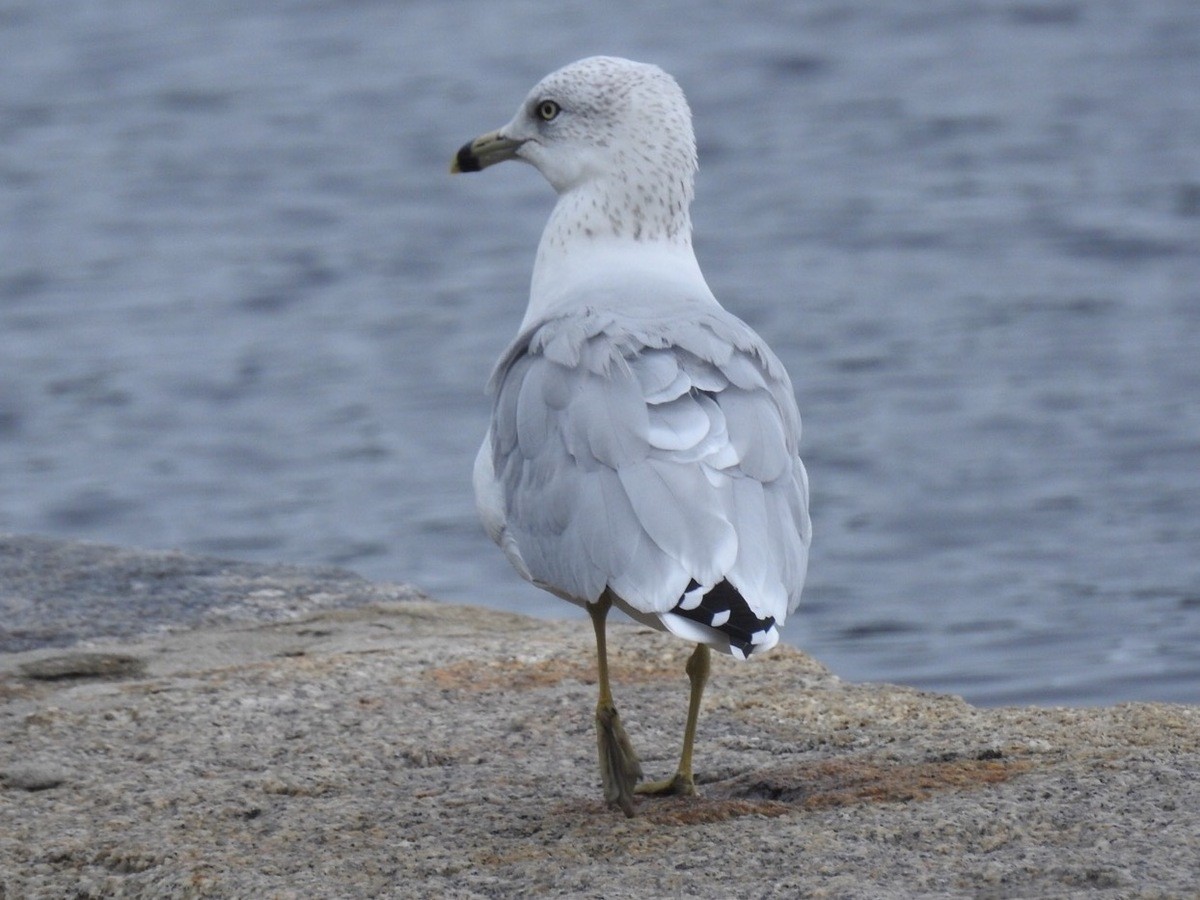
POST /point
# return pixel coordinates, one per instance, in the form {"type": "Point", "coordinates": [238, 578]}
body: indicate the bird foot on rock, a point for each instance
{"type": "Point", "coordinates": [620, 770]}
{"type": "Point", "coordinates": [679, 786]}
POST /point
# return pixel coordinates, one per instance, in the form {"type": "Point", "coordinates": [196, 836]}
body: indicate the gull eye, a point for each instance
{"type": "Point", "coordinates": [548, 110]}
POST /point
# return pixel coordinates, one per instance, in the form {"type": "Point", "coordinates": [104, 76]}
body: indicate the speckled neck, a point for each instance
{"type": "Point", "coordinates": [590, 249]}
{"type": "Point", "coordinates": [616, 217]}
{"type": "Point", "coordinates": [641, 202]}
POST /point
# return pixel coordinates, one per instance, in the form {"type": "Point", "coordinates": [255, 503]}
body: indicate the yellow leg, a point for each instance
{"type": "Point", "coordinates": [698, 666]}
{"type": "Point", "coordinates": [620, 769]}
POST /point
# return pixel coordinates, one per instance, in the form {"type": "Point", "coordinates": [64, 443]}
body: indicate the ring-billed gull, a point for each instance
{"type": "Point", "coordinates": [643, 444]}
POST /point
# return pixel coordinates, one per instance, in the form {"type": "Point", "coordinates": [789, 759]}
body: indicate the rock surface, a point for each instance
{"type": "Point", "coordinates": [406, 747]}
{"type": "Point", "coordinates": [55, 593]}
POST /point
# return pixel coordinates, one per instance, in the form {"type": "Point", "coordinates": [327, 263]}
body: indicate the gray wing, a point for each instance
{"type": "Point", "coordinates": [650, 457]}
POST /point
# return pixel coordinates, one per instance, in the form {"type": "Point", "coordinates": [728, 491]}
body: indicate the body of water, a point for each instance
{"type": "Point", "coordinates": [244, 309]}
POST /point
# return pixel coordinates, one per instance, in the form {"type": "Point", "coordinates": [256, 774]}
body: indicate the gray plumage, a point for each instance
{"type": "Point", "coordinates": [643, 454]}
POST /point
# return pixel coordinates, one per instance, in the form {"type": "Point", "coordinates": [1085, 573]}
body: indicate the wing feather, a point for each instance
{"type": "Point", "coordinates": [684, 515]}
{"type": "Point", "coordinates": [649, 456]}
{"type": "Point", "coordinates": [756, 432]}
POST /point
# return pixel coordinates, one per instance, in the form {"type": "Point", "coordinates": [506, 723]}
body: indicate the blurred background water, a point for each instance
{"type": "Point", "coordinates": [245, 311]}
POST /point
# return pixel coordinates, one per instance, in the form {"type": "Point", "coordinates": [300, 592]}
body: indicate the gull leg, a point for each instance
{"type": "Point", "coordinates": [620, 770]}
{"type": "Point", "coordinates": [698, 665]}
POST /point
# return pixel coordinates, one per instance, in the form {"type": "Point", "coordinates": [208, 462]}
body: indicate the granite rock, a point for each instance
{"type": "Point", "coordinates": [398, 746]}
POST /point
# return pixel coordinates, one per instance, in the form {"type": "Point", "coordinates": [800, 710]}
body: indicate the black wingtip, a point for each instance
{"type": "Point", "coordinates": [740, 624]}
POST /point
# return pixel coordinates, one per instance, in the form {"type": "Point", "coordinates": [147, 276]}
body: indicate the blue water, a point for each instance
{"type": "Point", "coordinates": [245, 311]}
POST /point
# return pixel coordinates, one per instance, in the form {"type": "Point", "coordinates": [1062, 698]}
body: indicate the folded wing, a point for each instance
{"type": "Point", "coordinates": [658, 459]}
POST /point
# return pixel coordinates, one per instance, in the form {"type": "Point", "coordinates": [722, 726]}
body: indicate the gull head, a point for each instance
{"type": "Point", "coordinates": [614, 133]}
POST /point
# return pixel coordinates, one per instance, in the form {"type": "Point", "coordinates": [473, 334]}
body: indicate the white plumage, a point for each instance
{"type": "Point", "coordinates": [643, 447]}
